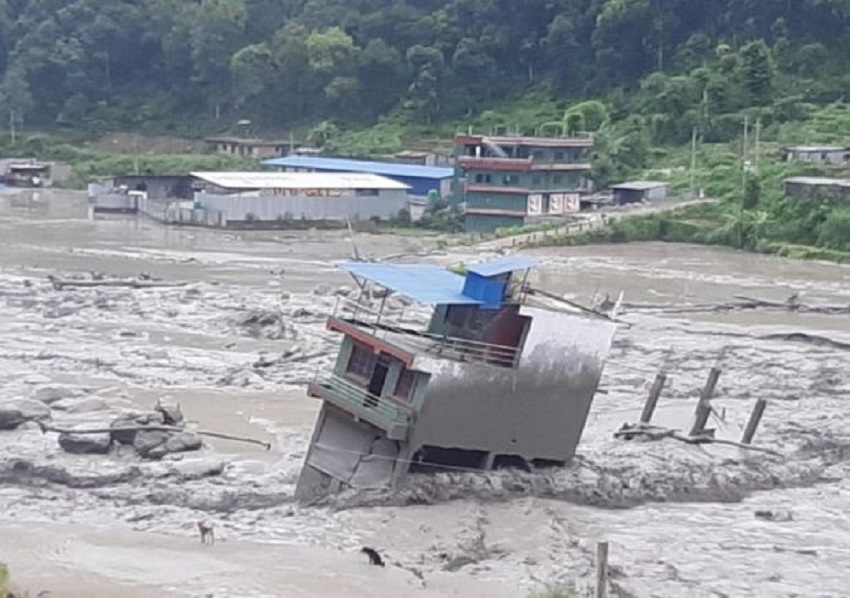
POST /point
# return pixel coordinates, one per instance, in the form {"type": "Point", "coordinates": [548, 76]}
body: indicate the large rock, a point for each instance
{"type": "Point", "coordinates": [82, 405]}
{"type": "Point", "coordinates": [177, 443]}
{"type": "Point", "coordinates": [147, 440]}
{"type": "Point", "coordinates": [17, 411]}
{"type": "Point", "coordinates": [85, 444]}
{"type": "Point", "coordinates": [51, 394]}
{"type": "Point", "coordinates": [263, 324]}
{"type": "Point", "coordinates": [132, 421]}
{"type": "Point", "coordinates": [172, 415]}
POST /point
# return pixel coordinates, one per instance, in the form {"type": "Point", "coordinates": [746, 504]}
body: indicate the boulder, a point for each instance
{"type": "Point", "coordinates": [147, 440]}
{"type": "Point", "coordinates": [263, 324]}
{"type": "Point", "coordinates": [17, 411]}
{"type": "Point", "coordinates": [51, 394]}
{"type": "Point", "coordinates": [172, 415]}
{"type": "Point", "coordinates": [153, 418]}
{"type": "Point", "coordinates": [82, 405]}
{"type": "Point", "coordinates": [196, 468]}
{"type": "Point", "coordinates": [85, 444]}
{"type": "Point", "coordinates": [181, 442]}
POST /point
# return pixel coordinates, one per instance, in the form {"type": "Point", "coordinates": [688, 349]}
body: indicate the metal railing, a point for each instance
{"type": "Point", "coordinates": [459, 349]}
{"type": "Point", "coordinates": [384, 413]}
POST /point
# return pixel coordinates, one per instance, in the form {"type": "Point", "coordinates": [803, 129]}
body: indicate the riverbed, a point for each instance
{"type": "Point", "coordinates": [680, 519]}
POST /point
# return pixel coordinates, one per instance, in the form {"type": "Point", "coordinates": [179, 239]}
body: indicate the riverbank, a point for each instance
{"type": "Point", "coordinates": [714, 223]}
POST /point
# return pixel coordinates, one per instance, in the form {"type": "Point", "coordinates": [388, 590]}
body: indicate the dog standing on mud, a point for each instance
{"type": "Point", "coordinates": [207, 532]}
{"type": "Point", "coordinates": [374, 557]}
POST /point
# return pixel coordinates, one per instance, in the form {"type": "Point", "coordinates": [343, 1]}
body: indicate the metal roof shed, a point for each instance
{"type": "Point", "coordinates": [488, 281]}
{"type": "Point", "coordinates": [421, 179]}
{"type": "Point", "coordinates": [425, 283]}
{"type": "Point", "coordinates": [637, 191]}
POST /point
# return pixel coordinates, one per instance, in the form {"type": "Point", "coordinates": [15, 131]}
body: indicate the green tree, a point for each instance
{"type": "Point", "coordinates": [756, 70]}
{"type": "Point", "coordinates": [216, 32]}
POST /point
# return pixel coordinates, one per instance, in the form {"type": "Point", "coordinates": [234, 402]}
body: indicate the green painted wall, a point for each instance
{"type": "Point", "coordinates": [497, 201]}
{"type": "Point", "coordinates": [343, 356]}
{"type": "Point", "coordinates": [477, 223]}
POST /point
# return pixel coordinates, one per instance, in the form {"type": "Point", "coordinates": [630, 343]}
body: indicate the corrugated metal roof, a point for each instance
{"type": "Point", "coordinates": [344, 165]}
{"type": "Point", "coordinates": [297, 180]}
{"type": "Point", "coordinates": [815, 148]}
{"type": "Point", "coordinates": [639, 185]}
{"type": "Point", "coordinates": [425, 283]}
{"type": "Point", "coordinates": [814, 180]}
{"type": "Point", "coordinates": [503, 265]}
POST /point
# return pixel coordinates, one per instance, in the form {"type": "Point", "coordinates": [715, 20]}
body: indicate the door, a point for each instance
{"type": "Point", "coordinates": [376, 382]}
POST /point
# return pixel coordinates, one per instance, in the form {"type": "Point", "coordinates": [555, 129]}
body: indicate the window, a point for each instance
{"type": "Point", "coordinates": [405, 384]}
{"type": "Point", "coordinates": [559, 156]}
{"type": "Point", "coordinates": [510, 179]}
{"type": "Point", "coordinates": [361, 362]}
{"type": "Point", "coordinates": [535, 180]}
{"type": "Point", "coordinates": [538, 154]}
{"type": "Point", "coordinates": [557, 179]}
{"type": "Point", "coordinates": [366, 193]}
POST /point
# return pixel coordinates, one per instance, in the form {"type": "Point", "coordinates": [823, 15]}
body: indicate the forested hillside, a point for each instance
{"type": "Point", "coordinates": [672, 63]}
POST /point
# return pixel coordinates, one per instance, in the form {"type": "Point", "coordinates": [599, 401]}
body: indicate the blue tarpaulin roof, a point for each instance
{"type": "Point", "coordinates": [389, 169]}
{"type": "Point", "coordinates": [425, 283]}
{"type": "Point", "coordinates": [503, 265]}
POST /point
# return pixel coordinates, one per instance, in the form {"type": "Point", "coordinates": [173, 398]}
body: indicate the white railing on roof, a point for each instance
{"type": "Point", "coordinates": [381, 325]}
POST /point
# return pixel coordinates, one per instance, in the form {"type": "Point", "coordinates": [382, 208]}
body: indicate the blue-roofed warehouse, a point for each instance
{"type": "Point", "coordinates": [420, 179]}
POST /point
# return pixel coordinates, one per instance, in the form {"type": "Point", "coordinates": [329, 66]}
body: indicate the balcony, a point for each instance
{"type": "Point", "coordinates": [385, 414]}
{"type": "Point", "coordinates": [408, 337]}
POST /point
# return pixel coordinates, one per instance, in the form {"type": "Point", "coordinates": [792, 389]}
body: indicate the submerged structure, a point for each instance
{"type": "Point", "coordinates": [489, 374]}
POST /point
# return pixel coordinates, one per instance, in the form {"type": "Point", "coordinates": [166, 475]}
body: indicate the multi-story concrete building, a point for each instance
{"type": "Point", "coordinates": [511, 181]}
{"type": "Point", "coordinates": [474, 372]}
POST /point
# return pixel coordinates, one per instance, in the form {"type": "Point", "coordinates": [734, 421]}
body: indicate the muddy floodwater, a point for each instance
{"type": "Point", "coordinates": [680, 519]}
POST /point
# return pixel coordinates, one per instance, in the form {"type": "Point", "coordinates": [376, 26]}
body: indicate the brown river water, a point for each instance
{"type": "Point", "coordinates": [680, 519]}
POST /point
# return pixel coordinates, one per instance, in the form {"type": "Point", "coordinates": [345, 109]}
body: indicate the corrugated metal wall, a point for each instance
{"type": "Point", "coordinates": [237, 208]}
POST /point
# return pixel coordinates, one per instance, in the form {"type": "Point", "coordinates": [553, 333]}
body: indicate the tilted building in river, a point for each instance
{"type": "Point", "coordinates": [495, 377]}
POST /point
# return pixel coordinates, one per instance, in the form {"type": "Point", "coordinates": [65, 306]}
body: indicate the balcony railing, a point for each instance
{"type": "Point", "coordinates": [391, 328]}
{"type": "Point", "coordinates": [385, 414]}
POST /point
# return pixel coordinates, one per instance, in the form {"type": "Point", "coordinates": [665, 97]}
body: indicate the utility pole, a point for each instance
{"type": "Point", "coordinates": [12, 125]}
{"type": "Point", "coordinates": [135, 155]}
{"type": "Point", "coordinates": [756, 157]}
{"type": "Point", "coordinates": [744, 154]}
{"type": "Point", "coordinates": [693, 162]}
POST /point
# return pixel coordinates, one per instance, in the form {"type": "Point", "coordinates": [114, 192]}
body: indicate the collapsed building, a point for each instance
{"type": "Point", "coordinates": [497, 376]}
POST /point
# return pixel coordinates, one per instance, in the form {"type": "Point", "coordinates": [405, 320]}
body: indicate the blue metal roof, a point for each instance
{"type": "Point", "coordinates": [503, 265]}
{"type": "Point", "coordinates": [425, 283]}
{"type": "Point", "coordinates": [343, 165]}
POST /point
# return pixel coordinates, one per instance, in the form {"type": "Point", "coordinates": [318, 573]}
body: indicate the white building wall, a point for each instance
{"type": "Point", "coordinates": [385, 205]}
{"type": "Point", "coordinates": [657, 193]}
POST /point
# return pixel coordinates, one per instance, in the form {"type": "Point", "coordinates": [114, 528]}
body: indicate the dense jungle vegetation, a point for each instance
{"type": "Point", "coordinates": [368, 76]}
{"type": "Point", "coordinates": [670, 64]}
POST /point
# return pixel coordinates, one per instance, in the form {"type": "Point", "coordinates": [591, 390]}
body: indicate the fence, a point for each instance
{"type": "Point", "coordinates": [380, 325]}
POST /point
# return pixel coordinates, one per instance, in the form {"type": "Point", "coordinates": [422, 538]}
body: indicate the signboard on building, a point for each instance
{"type": "Point", "coordinates": [301, 192]}
{"type": "Point", "coordinates": [556, 203]}
{"type": "Point", "coordinates": [572, 203]}
{"type": "Point", "coordinates": [535, 204]}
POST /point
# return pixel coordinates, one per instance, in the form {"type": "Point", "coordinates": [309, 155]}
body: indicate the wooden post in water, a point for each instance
{"type": "Point", "coordinates": [602, 570]}
{"type": "Point", "coordinates": [703, 411]}
{"type": "Point", "coordinates": [652, 399]}
{"type": "Point", "coordinates": [755, 420]}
